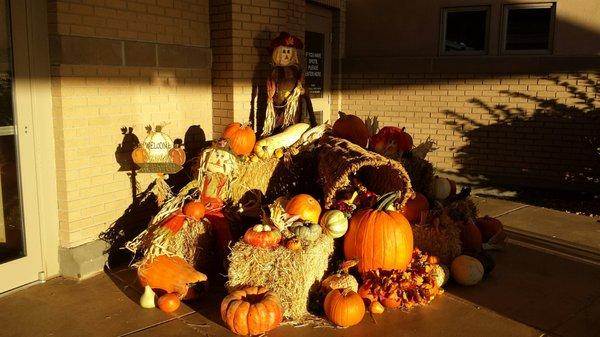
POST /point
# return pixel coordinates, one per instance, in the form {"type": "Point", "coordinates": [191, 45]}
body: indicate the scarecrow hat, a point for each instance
{"type": "Point", "coordinates": [286, 39]}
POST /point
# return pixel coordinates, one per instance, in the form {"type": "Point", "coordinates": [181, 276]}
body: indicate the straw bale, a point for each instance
{"type": "Point", "coordinates": [292, 275]}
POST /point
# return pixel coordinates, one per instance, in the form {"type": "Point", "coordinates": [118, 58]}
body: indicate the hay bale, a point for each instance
{"type": "Point", "coordinates": [443, 242]}
{"type": "Point", "coordinates": [252, 176]}
{"type": "Point", "coordinates": [292, 275]}
{"type": "Point", "coordinates": [340, 159]}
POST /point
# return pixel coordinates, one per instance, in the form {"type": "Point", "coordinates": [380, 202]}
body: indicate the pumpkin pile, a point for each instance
{"type": "Point", "coordinates": [394, 249]}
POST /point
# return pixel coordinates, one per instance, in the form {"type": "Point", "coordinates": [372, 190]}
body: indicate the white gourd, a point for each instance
{"type": "Point", "coordinates": [265, 147]}
{"type": "Point", "coordinates": [147, 298]}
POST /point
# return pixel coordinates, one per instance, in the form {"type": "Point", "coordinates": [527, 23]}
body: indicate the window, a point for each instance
{"type": "Point", "coordinates": [464, 31]}
{"type": "Point", "coordinates": [528, 28]}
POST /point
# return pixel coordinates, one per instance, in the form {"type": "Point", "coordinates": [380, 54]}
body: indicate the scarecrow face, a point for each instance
{"type": "Point", "coordinates": [284, 56]}
{"type": "Point", "coordinates": [219, 161]}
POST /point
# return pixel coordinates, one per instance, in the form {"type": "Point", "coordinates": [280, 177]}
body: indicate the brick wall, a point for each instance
{"type": "Point", "coordinates": [120, 63]}
{"type": "Point", "coordinates": [526, 129]}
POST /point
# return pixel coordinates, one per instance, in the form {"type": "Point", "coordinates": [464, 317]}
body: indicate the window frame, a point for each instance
{"type": "Point", "coordinates": [443, 27]}
{"type": "Point", "coordinates": [546, 5]}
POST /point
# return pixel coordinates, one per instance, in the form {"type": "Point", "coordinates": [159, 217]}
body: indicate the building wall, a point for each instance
{"type": "Point", "coordinates": [120, 63]}
{"type": "Point", "coordinates": [529, 120]}
{"type": "Point", "coordinates": [412, 28]}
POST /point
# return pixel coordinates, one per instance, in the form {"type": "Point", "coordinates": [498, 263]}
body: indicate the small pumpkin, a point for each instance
{"type": "Point", "coordinates": [169, 273]}
{"type": "Point", "coordinates": [251, 311]}
{"type": "Point", "coordinates": [334, 223]}
{"type": "Point", "coordinates": [344, 307]}
{"type": "Point", "coordinates": [262, 236]}
{"type": "Point", "coordinates": [169, 302]}
{"type": "Point", "coordinates": [140, 155]}
{"type": "Point", "coordinates": [413, 207]}
{"type": "Point", "coordinates": [470, 236]}
{"type": "Point", "coordinates": [380, 239]}
{"type": "Point", "coordinates": [392, 301]}
{"type": "Point", "coordinates": [241, 138]}
{"type": "Point", "coordinates": [195, 210]}
{"type": "Point", "coordinates": [176, 153]}
{"type": "Point", "coordinates": [352, 129]}
{"type": "Point", "coordinates": [491, 229]}
{"type": "Point", "coordinates": [293, 244]}
{"type": "Point", "coordinates": [305, 206]}
{"type": "Point", "coordinates": [306, 231]}
{"type": "Point", "coordinates": [466, 270]}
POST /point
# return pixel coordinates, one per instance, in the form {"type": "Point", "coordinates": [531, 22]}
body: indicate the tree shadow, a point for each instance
{"type": "Point", "coordinates": [258, 97]}
{"type": "Point", "coordinates": [554, 145]}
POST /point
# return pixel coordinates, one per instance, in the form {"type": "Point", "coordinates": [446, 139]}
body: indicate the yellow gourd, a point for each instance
{"type": "Point", "coordinates": [265, 147]}
{"type": "Point", "coordinates": [147, 298]}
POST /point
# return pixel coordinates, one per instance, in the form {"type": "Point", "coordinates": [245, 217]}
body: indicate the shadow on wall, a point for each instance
{"type": "Point", "coordinates": [258, 99]}
{"type": "Point", "coordinates": [525, 144]}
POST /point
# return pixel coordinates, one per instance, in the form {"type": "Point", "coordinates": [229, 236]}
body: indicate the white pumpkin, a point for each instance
{"type": "Point", "coordinates": [466, 270]}
{"type": "Point", "coordinates": [158, 145]}
{"type": "Point", "coordinates": [443, 188]}
{"type": "Point", "coordinates": [334, 223]}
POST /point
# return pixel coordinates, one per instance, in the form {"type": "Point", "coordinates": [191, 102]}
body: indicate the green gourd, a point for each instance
{"type": "Point", "coordinates": [306, 231]}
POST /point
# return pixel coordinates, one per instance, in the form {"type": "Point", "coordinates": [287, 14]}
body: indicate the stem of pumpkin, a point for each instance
{"type": "Point", "coordinates": [342, 114]}
{"type": "Point", "coordinates": [386, 200]}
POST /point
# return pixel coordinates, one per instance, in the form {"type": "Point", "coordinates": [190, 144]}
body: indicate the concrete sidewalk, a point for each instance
{"type": "Point", "coordinates": [533, 291]}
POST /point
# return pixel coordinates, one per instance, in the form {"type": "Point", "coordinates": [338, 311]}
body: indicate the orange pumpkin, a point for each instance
{"type": "Point", "coordinates": [140, 155]}
{"type": "Point", "coordinates": [169, 302]}
{"type": "Point", "coordinates": [258, 237]}
{"type": "Point", "coordinates": [293, 244]}
{"type": "Point", "coordinates": [251, 311]}
{"type": "Point", "coordinates": [344, 307]}
{"type": "Point", "coordinates": [413, 207]}
{"type": "Point", "coordinates": [241, 138]}
{"type": "Point", "coordinates": [169, 273]}
{"type": "Point", "coordinates": [380, 239]}
{"type": "Point", "coordinates": [305, 206]}
{"type": "Point", "coordinates": [470, 236]}
{"type": "Point", "coordinates": [352, 129]}
{"type": "Point", "coordinates": [195, 210]}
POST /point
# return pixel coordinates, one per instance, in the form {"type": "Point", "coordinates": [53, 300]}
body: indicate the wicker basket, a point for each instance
{"type": "Point", "coordinates": [339, 159]}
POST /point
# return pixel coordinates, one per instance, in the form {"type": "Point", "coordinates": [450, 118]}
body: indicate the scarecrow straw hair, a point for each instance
{"type": "Point", "coordinates": [289, 274]}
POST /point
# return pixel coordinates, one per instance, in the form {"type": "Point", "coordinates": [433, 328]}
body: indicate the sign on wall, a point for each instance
{"type": "Point", "coordinates": [313, 77]}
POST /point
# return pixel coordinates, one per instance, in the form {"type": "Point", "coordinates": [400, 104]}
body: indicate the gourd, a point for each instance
{"type": "Point", "coordinates": [241, 138]}
{"type": "Point", "coordinates": [341, 279]}
{"type": "Point", "coordinates": [334, 223]}
{"type": "Point", "coordinates": [309, 231]}
{"type": "Point", "coordinates": [169, 273]}
{"type": "Point", "coordinates": [265, 147]}
{"type": "Point", "coordinates": [176, 153]}
{"type": "Point", "coordinates": [352, 129]}
{"type": "Point", "coordinates": [305, 206]}
{"type": "Point", "coordinates": [147, 298]}
{"type": "Point", "coordinates": [443, 188]}
{"type": "Point", "coordinates": [251, 311]}
{"type": "Point", "coordinates": [378, 238]}
{"type": "Point", "coordinates": [344, 307]}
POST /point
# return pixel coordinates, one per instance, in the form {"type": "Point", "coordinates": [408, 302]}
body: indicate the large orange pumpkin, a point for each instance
{"type": "Point", "coordinates": [380, 239]}
{"type": "Point", "coordinates": [251, 311]}
{"type": "Point", "coordinates": [241, 138]}
{"type": "Point", "coordinates": [344, 307]}
{"type": "Point", "coordinates": [305, 206]}
{"type": "Point", "coordinates": [413, 207]}
{"type": "Point", "coordinates": [352, 129]}
{"type": "Point", "coordinates": [169, 273]}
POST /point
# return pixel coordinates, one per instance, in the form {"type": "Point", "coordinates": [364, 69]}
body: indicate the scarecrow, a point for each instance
{"type": "Point", "coordinates": [285, 94]}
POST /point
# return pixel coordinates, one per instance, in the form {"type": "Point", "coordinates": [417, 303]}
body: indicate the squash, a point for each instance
{"type": "Point", "coordinates": [334, 223]}
{"type": "Point", "coordinates": [265, 147]}
{"type": "Point", "coordinates": [306, 231]}
{"type": "Point", "coordinates": [466, 270]}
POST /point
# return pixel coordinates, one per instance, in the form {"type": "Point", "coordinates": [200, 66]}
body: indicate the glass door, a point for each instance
{"type": "Point", "coordinates": [20, 247]}
{"type": "Point", "coordinates": [317, 75]}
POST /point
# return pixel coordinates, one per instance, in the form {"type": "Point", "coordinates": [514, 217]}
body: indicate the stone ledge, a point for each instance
{"type": "Point", "coordinates": [83, 261]}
